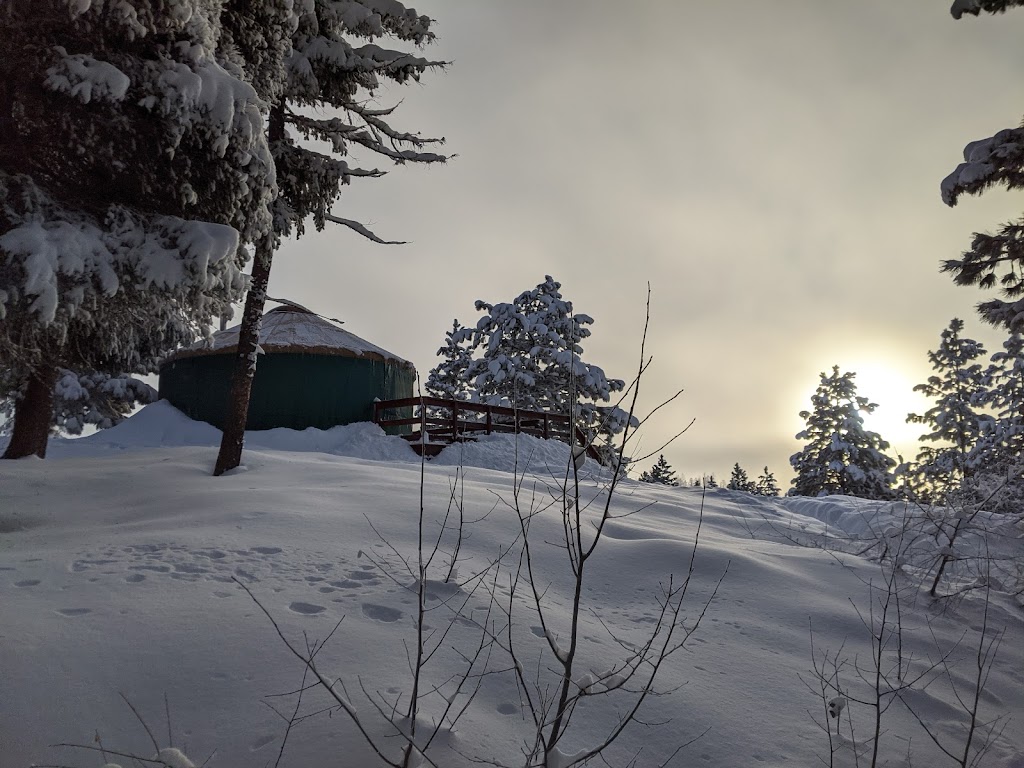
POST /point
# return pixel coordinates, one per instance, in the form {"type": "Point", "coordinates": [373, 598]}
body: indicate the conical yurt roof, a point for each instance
{"type": "Point", "coordinates": [293, 328]}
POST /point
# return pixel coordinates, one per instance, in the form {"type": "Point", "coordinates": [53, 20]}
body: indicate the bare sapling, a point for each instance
{"type": "Point", "coordinates": [447, 602]}
{"type": "Point", "coordinates": [560, 687]}
{"type": "Point", "coordinates": [449, 698]}
{"type": "Point", "coordinates": [964, 531]}
{"type": "Point", "coordinates": [829, 688]}
{"type": "Point", "coordinates": [866, 688]}
{"type": "Point", "coordinates": [162, 757]}
{"type": "Point", "coordinates": [976, 734]}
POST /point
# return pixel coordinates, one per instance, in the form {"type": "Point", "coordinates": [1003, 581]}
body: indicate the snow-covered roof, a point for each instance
{"type": "Point", "coordinates": [291, 328]}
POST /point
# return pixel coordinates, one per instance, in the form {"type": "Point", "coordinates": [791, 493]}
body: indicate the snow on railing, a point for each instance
{"type": "Point", "coordinates": [448, 421]}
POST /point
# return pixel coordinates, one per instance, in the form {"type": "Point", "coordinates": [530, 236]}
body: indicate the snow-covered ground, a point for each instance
{"type": "Point", "coordinates": [119, 556]}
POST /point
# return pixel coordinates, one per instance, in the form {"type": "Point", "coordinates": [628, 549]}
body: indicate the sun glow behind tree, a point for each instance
{"type": "Point", "coordinates": [893, 390]}
{"type": "Point", "coordinates": [886, 382]}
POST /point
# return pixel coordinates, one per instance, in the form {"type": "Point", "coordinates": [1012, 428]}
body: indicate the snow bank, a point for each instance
{"type": "Point", "coordinates": [161, 425]}
{"type": "Point", "coordinates": [363, 440]}
{"type": "Point", "coordinates": [122, 581]}
{"type": "Point", "coordinates": [157, 424]}
{"type": "Point", "coordinates": [515, 453]}
{"type": "Point", "coordinates": [845, 514]}
{"type": "Point", "coordinates": [118, 572]}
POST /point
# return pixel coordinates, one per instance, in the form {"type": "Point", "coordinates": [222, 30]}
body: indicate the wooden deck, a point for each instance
{"type": "Point", "coordinates": [439, 422]}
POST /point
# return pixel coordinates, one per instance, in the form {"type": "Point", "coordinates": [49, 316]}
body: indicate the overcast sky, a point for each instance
{"type": "Point", "coordinates": [772, 169]}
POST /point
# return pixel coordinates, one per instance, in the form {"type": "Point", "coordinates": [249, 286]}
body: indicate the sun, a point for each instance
{"type": "Point", "coordinates": [893, 390]}
{"type": "Point", "coordinates": [891, 386]}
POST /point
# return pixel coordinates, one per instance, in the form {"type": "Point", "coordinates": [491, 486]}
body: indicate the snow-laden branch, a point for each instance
{"type": "Point", "coordinates": [362, 230]}
{"type": "Point", "coordinates": [998, 159]}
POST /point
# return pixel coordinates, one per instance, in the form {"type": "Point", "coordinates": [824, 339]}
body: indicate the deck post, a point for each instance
{"type": "Point", "coordinates": [545, 426]}
{"type": "Point", "coordinates": [455, 423]}
{"type": "Point", "coordinates": [488, 419]}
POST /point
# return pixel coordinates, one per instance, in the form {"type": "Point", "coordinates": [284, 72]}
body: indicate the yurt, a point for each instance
{"type": "Point", "coordinates": [311, 373]}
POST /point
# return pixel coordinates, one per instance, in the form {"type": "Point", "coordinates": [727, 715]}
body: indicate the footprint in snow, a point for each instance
{"type": "Point", "coordinates": [261, 743]}
{"type": "Point", "coordinates": [381, 612]}
{"type": "Point", "coordinates": [135, 578]}
{"type": "Point", "coordinates": [189, 568]}
{"type": "Point", "coordinates": [508, 708]}
{"type": "Point", "coordinates": [26, 583]}
{"type": "Point", "coordinates": [84, 565]}
{"type": "Point", "coordinates": [307, 609]}
{"type": "Point", "coordinates": [267, 550]}
{"type": "Point", "coordinates": [74, 611]}
{"type": "Point", "coordinates": [154, 568]}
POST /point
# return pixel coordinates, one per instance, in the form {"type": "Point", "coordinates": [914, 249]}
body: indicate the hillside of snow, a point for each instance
{"type": "Point", "coordinates": [122, 565]}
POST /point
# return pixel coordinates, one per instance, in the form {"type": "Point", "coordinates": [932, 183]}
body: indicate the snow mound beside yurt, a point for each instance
{"type": "Point", "coordinates": [162, 425]}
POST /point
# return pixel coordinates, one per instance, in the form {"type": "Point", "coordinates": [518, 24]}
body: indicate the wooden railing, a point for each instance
{"type": "Point", "coordinates": [448, 421]}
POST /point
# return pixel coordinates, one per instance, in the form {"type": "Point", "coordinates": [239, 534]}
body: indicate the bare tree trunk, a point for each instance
{"type": "Point", "coordinates": [33, 414]}
{"type": "Point", "coordinates": [237, 411]}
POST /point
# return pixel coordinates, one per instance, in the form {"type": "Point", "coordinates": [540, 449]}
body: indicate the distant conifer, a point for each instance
{"type": "Point", "coordinates": [661, 473]}
{"type": "Point", "coordinates": [958, 390]}
{"type": "Point", "coordinates": [740, 481]}
{"type": "Point", "coordinates": [766, 484]}
{"type": "Point", "coordinates": [840, 457]}
{"type": "Point", "coordinates": [998, 456]}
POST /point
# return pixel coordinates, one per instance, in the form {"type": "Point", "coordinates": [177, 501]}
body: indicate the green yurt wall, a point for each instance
{"type": "Point", "coordinates": [311, 374]}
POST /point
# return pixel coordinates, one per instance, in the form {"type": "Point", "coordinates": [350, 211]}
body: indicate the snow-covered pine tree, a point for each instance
{"type": "Point", "coordinates": [739, 480]}
{"type": "Point", "coordinates": [766, 484]}
{"type": "Point", "coordinates": [996, 160]}
{"type": "Point", "coordinates": [998, 456]}
{"type": "Point", "coordinates": [975, 7]}
{"type": "Point", "coordinates": [97, 399]}
{"type": "Point", "coordinates": [710, 481]}
{"type": "Point", "coordinates": [133, 166]}
{"type": "Point", "coordinates": [841, 456]}
{"type": "Point", "coordinates": [527, 354]}
{"type": "Point", "coordinates": [661, 473]}
{"type": "Point", "coordinates": [333, 70]}
{"type": "Point", "coordinates": [447, 379]}
{"type": "Point", "coordinates": [959, 392]}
